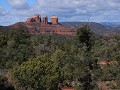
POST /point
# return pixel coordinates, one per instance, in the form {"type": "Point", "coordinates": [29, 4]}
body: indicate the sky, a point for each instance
{"type": "Point", "coordinates": [12, 11]}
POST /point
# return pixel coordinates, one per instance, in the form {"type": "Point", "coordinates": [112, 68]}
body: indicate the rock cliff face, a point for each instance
{"type": "Point", "coordinates": [40, 28]}
{"type": "Point", "coordinates": [45, 20]}
{"type": "Point", "coordinates": [37, 26]}
{"type": "Point", "coordinates": [35, 18]}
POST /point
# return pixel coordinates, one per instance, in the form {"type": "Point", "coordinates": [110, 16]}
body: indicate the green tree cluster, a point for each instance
{"type": "Point", "coordinates": [15, 47]}
{"type": "Point", "coordinates": [65, 61]}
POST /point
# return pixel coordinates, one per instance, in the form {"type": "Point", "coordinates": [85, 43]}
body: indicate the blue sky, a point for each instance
{"type": "Point", "coordinates": [12, 11]}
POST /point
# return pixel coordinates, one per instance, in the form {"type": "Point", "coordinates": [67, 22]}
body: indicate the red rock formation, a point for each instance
{"type": "Point", "coordinates": [51, 29]}
{"type": "Point", "coordinates": [105, 62]}
{"type": "Point", "coordinates": [40, 28]}
{"type": "Point", "coordinates": [46, 27]}
{"type": "Point", "coordinates": [45, 20]}
{"type": "Point", "coordinates": [54, 20]}
{"type": "Point", "coordinates": [67, 88]}
{"type": "Point", "coordinates": [35, 18]}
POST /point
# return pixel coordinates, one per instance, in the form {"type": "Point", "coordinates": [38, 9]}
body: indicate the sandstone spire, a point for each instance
{"type": "Point", "coordinates": [54, 20]}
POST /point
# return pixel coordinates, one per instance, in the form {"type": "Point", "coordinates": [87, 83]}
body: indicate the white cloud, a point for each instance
{"type": "Point", "coordinates": [77, 9]}
{"type": "Point", "coordinates": [3, 12]}
{"type": "Point", "coordinates": [19, 4]}
{"type": "Point", "coordinates": [67, 10]}
{"type": "Point", "coordinates": [117, 1]}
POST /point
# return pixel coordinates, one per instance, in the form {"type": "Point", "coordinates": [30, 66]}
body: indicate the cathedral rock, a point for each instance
{"type": "Point", "coordinates": [36, 18]}
{"type": "Point", "coordinates": [40, 25]}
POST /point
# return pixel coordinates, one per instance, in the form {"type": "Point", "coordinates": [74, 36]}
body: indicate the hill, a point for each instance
{"type": "Point", "coordinates": [96, 27]}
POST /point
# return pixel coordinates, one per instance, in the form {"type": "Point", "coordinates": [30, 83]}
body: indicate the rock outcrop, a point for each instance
{"type": "Point", "coordinates": [35, 18]}
{"type": "Point", "coordinates": [45, 20]}
{"type": "Point", "coordinates": [36, 28]}
{"type": "Point", "coordinates": [35, 25]}
{"type": "Point", "coordinates": [54, 20]}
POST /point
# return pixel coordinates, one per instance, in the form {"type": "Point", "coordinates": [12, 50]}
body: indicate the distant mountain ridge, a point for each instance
{"type": "Point", "coordinates": [113, 24]}
{"type": "Point", "coordinates": [96, 27]}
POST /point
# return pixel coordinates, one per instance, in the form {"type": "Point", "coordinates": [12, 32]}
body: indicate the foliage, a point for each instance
{"type": "Point", "coordinates": [16, 47]}
{"type": "Point", "coordinates": [86, 36]}
{"type": "Point", "coordinates": [4, 85]}
{"type": "Point", "coordinates": [36, 74]}
{"type": "Point", "coordinates": [60, 59]}
{"type": "Point", "coordinates": [61, 64]}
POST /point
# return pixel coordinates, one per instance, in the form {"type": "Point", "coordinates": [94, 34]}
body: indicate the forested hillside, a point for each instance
{"type": "Point", "coordinates": [87, 61]}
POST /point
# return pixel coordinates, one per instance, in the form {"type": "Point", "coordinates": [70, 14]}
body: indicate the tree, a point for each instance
{"type": "Point", "coordinates": [19, 47]}
{"type": "Point", "coordinates": [85, 42]}
{"type": "Point", "coordinates": [3, 44]}
{"type": "Point", "coordinates": [4, 85]}
{"type": "Point", "coordinates": [36, 74]}
{"type": "Point", "coordinates": [61, 63]}
{"type": "Point", "coordinates": [86, 37]}
{"type": "Point", "coordinates": [37, 40]}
